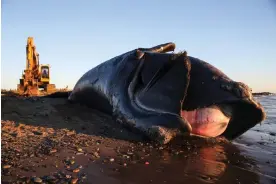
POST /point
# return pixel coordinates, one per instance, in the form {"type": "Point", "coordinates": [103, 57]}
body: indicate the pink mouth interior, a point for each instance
{"type": "Point", "coordinates": [209, 122]}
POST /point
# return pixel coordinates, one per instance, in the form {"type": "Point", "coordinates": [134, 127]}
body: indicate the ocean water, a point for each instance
{"type": "Point", "coordinates": [267, 129]}
{"type": "Point", "coordinates": [259, 143]}
{"type": "Point", "coordinates": [269, 103]}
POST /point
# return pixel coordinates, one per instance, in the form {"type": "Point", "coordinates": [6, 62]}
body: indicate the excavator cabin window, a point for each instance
{"type": "Point", "coordinates": [45, 72]}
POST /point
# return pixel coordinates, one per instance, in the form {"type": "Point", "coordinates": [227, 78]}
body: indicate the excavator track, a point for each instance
{"type": "Point", "coordinates": [20, 89]}
{"type": "Point", "coordinates": [50, 88]}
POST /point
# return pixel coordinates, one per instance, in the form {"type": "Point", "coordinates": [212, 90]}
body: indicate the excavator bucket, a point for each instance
{"type": "Point", "coordinates": [32, 91]}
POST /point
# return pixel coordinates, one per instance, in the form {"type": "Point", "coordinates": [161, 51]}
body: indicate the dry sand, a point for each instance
{"type": "Point", "coordinates": [51, 141]}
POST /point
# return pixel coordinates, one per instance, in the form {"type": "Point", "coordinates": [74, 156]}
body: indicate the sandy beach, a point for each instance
{"type": "Point", "coordinates": [52, 141]}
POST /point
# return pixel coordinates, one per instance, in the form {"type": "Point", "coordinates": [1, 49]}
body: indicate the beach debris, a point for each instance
{"type": "Point", "coordinates": [6, 166]}
{"type": "Point", "coordinates": [76, 170]}
{"type": "Point", "coordinates": [50, 178]}
{"type": "Point", "coordinates": [14, 134]}
{"type": "Point", "coordinates": [37, 180]}
{"type": "Point", "coordinates": [79, 150]}
{"type": "Point", "coordinates": [53, 151]}
{"type": "Point", "coordinates": [69, 133]}
{"type": "Point", "coordinates": [37, 133]}
{"type": "Point", "coordinates": [96, 154]}
{"type": "Point", "coordinates": [72, 162]}
{"type": "Point", "coordinates": [74, 180]}
{"type": "Point", "coordinates": [130, 153]}
{"type": "Point", "coordinates": [126, 156]}
{"type": "Point", "coordinates": [111, 159]}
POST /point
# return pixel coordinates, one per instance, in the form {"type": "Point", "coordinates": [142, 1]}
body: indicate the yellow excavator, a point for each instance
{"type": "Point", "coordinates": [35, 76]}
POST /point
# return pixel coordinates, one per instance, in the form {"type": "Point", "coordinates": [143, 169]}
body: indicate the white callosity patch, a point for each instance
{"type": "Point", "coordinates": [209, 122]}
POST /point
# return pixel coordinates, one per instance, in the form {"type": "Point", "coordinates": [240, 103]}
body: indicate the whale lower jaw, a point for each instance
{"type": "Point", "coordinates": [208, 122]}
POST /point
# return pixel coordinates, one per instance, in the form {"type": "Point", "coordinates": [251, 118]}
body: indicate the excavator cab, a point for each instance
{"type": "Point", "coordinates": [44, 81]}
{"type": "Point", "coordinates": [44, 73]}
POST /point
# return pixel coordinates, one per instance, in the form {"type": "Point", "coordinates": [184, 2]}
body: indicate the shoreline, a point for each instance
{"type": "Point", "coordinates": [13, 91]}
{"type": "Point", "coordinates": [263, 94]}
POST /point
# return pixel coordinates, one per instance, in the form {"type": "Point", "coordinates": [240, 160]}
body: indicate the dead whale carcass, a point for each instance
{"type": "Point", "coordinates": [164, 94]}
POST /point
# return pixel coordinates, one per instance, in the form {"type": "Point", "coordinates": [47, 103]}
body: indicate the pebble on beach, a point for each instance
{"type": "Point", "coordinates": [7, 166]}
{"type": "Point", "coordinates": [74, 180]}
{"type": "Point", "coordinates": [111, 159]}
{"type": "Point", "coordinates": [76, 170]}
{"type": "Point", "coordinates": [37, 180]}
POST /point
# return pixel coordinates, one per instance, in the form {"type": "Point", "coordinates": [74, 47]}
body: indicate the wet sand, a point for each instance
{"type": "Point", "coordinates": [51, 141]}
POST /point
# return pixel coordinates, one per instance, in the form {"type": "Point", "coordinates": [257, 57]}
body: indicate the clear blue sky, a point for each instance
{"type": "Point", "coordinates": [238, 37]}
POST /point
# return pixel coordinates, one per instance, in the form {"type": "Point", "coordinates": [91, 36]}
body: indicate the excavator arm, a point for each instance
{"type": "Point", "coordinates": [32, 60]}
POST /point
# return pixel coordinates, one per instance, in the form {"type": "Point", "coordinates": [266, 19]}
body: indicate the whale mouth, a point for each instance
{"type": "Point", "coordinates": [229, 119]}
{"type": "Point", "coordinates": [208, 122]}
